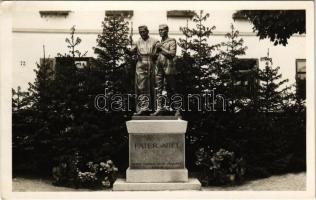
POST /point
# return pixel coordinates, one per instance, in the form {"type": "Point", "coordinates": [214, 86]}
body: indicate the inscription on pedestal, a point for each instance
{"type": "Point", "coordinates": [156, 151]}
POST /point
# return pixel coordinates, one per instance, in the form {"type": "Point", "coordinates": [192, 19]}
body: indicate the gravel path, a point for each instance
{"type": "Point", "coordinates": [287, 182]}
{"type": "Point", "coordinates": [21, 184]}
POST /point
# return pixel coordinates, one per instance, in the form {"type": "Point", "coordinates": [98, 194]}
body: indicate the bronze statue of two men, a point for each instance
{"type": "Point", "coordinates": [155, 72]}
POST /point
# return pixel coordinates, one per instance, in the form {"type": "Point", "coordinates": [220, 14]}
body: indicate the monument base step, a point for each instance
{"type": "Point", "coordinates": [156, 175]}
{"type": "Point", "coordinates": [122, 185]}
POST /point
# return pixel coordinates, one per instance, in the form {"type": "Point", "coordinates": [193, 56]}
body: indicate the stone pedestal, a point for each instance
{"type": "Point", "coordinates": [156, 156]}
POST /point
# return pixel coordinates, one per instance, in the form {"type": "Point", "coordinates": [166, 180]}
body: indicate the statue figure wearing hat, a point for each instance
{"type": "Point", "coordinates": [145, 47]}
{"type": "Point", "coordinates": [165, 70]}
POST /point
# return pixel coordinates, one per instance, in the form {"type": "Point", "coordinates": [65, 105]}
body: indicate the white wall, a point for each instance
{"type": "Point", "coordinates": [31, 32]}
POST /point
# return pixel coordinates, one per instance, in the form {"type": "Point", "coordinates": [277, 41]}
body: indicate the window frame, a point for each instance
{"type": "Point", "coordinates": [296, 67]}
{"type": "Point", "coordinates": [297, 79]}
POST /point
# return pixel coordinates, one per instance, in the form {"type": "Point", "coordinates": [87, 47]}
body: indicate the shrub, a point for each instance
{"type": "Point", "coordinates": [71, 173]}
{"type": "Point", "coordinates": [271, 143]}
{"type": "Point", "coordinates": [101, 174]}
{"type": "Point", "coordinates": [219, 168]}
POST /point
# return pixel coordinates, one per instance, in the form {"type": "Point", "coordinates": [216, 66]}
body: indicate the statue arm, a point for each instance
{"type": "Point", "coordinates": [173, 49]}
{"type": "Point", "coordinates": [155, 50]}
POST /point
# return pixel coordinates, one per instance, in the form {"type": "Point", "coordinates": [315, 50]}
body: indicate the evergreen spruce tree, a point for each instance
{"type": "Point", "coordinates": [110, 51]}
{"type": "Point", "coordinates": [94, 134]}
{"type": "Point", "coordinates": [72, 43]}
{"type": "Point", "coordinates": [273, 124]}
{"type": "Point", "coordinates": [187, 72]}
{"type": "Point", "coordinates": [22, 128]}
{"type": "Point", "coordinates": [55, 106]}
{"type": "Point", "coordinates": [71, 100]}
{"type": "Point", "coordinates": [40, 101]}
{"type": "Point", "coordinates": [196, 45]}
{"type": "Point", "coordinates": [197, 66]}
{"type": "Point", "coordinates": [114, 76]}
{"type": "Point", "coordinates": [272, 89]}
{"type": "Point", "coordinates": [19, 99]}
{"type": "Point", "coordinates": [227, 73]}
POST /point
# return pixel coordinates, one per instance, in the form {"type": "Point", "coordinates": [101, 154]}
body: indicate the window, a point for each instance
{"type": "Point", "coordinates": [301, 78]}
{"type": "Point", "coordinates": [124, 13]}
{"type": "Point", "coordinates": [79, 62]}
{"type": "Point", "coordinates": [70, 67]}
{"type": "Point", "coordinates": [57, 65]}
{"type": "Point", "coordinates": [244, 73]}
{"type": "Point", "coordinates": [180, 13]}
{"type": "Point", "coordinates": [54, 13]}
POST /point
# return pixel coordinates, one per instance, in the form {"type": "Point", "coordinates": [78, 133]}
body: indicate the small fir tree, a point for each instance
{"type": "Point", "coordinates": [72, 43]}
{"type": "Point", "coordinates": [22, 128]}
{"type": "Point", "coordinates": [82, 122]}
{"type": "Point", "coordinates": [184, 43]}
{"type": "Point", "coordinates": [111, 47]}
{"type": "Point", "coordinates": [19, 99]}
{"type": "Point", "coordinates": [197, 75]}
{"type": "Point", "coordinates": [272, 89]}
{"type": "Point", "coordinates": [114, 68]}
{"type": "Point", "coordinates": [196, 45]}
{"type": "Point", "coordinates": [37, 136]}
{"type": "Point", "coordinates": [227, 73]}
{"type": "Point", "coordinates": [187, 72]}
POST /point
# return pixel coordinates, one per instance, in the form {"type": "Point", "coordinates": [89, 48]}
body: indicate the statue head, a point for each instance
{"type": "Point", "coordinates": [163, 30]}
{"type": "Point", "coordinates": [143, 32]}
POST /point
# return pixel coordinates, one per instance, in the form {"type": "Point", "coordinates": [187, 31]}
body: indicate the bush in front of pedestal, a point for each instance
{"type": "Point", "coordinates": [71, 173]}
{"type": "Point", "coordinates": [219, 168]}
{"type": "Point", "coordinates": [101, 174]}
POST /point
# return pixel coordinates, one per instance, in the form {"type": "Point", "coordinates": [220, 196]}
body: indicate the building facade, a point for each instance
{"type": "Point", "coordinates": [43, 28]}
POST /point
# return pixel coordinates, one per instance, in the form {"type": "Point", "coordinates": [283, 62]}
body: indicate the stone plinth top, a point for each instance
{"type": "Point", "coordinates": [156, 126]}
{"type": "Point", "coordinates": [154, 118]}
